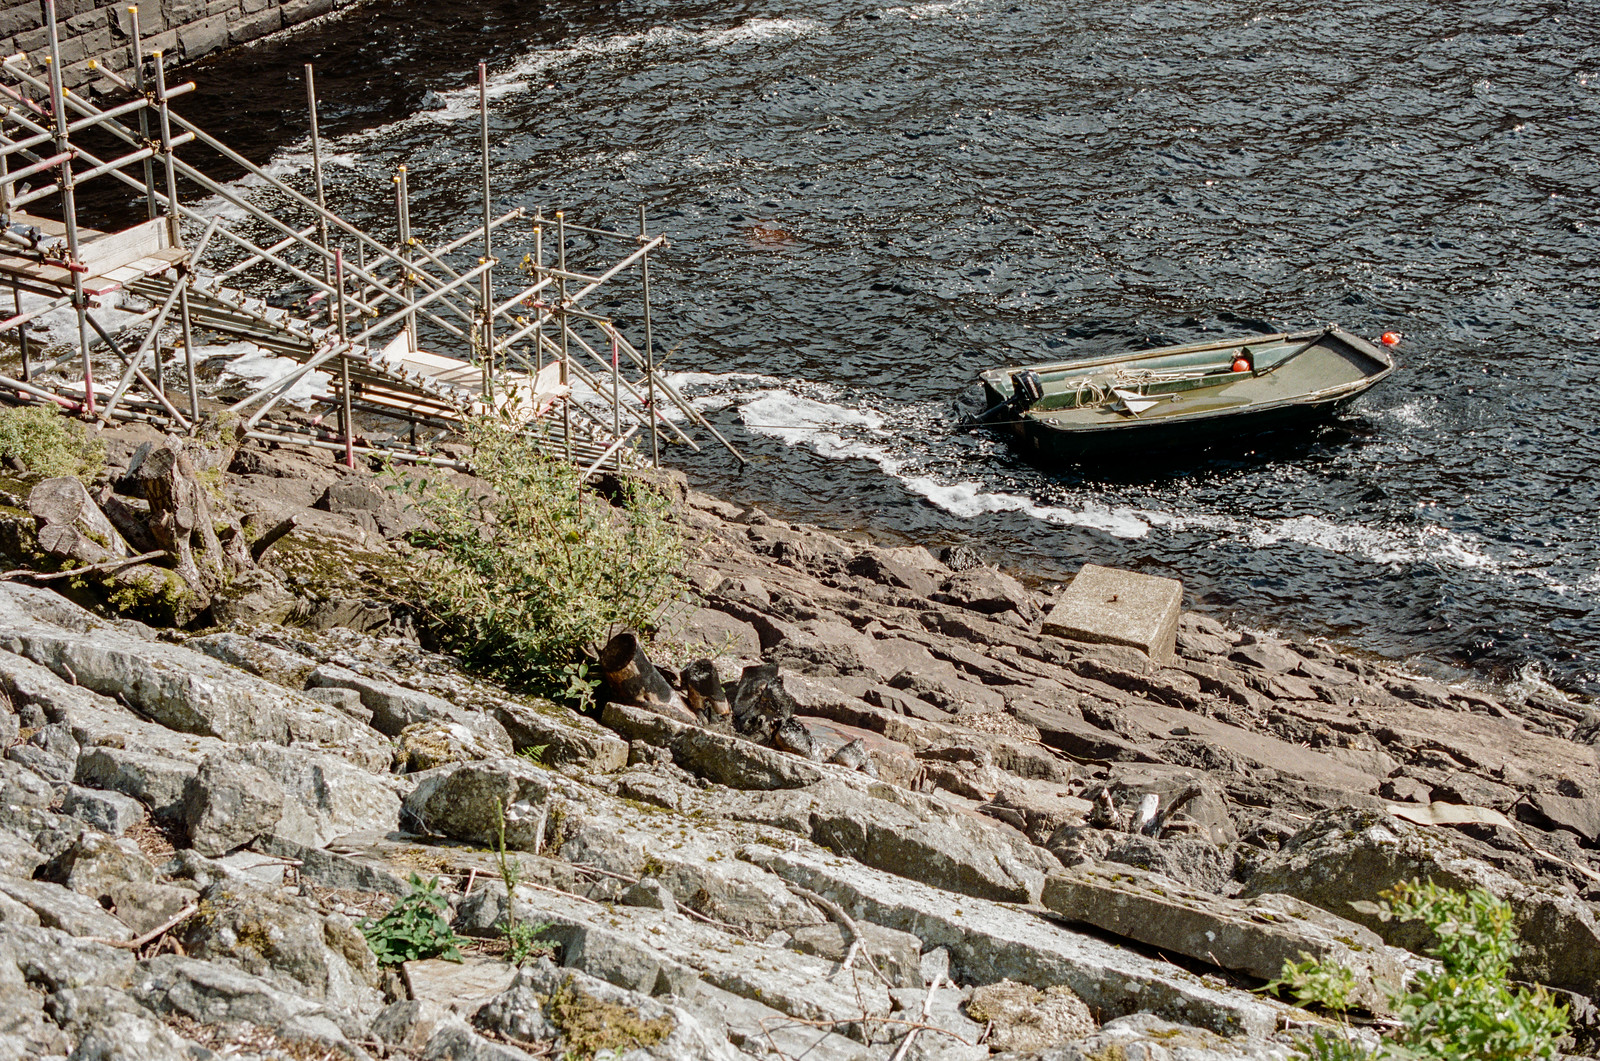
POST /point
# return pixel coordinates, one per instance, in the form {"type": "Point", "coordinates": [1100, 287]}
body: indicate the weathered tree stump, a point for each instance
{"type": "Point", "coordinates": [182, 521]}
{"type": "Point", "coordinates": [71, 526]}
{"type": "Point", "coordinates": [632, 679]}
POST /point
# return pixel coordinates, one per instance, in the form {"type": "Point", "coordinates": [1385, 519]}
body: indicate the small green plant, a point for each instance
{"type": "Point", "coordinates": [521, 578]}
{"type": "Point", "coordinates": [534, 753]}
{"type": "Point", "coordinates": [416, 927]}
{"type": "Point", "coordinates": [522, 936]}
{"type": "Point", "coordinates": [577, 688]}
{"type": "Point", "coordinates": [48, 443]}
{"type": "Point", "coordinates": [1463, 1010]}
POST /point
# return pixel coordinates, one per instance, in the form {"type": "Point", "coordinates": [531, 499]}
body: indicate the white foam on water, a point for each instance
{"type": "Point", "coordinates": [763, 31]}
{"type": "Point", "coordinates": [839, 431]}
{"type": "Point", "coordinates": [944, 9]}
{"type": "Point", "coordinates": [463, 103]}
{"type": "Point", "coordinates": [969, 500]}
{"type": "Point", "coordinates": [253, 364]}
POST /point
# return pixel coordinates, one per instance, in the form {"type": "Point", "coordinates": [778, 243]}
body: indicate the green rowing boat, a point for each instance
{"type": "Point", "coordinates": [1180, 397]}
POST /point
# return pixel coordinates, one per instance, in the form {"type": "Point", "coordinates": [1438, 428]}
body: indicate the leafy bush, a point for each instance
{"type": "Point", "coordinates": [48, 443]}
{"type": "Point", "coordinates": [520, 582]}
{"type": "Point", "coordinates": [416, 927]}
{"type": "Point", "coordinates": [1463, 1010]}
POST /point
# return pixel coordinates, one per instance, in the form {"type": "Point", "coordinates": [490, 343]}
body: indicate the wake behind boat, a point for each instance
{"type": "Point", "coordinates": [1180, 396]}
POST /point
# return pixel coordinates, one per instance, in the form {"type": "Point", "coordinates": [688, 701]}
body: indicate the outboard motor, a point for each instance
{"type": "Point", "coordinates": [1026, 389]}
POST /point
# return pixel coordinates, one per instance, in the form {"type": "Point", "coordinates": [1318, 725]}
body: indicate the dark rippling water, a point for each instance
{"type": "Point", "coordinates": [870, 203]}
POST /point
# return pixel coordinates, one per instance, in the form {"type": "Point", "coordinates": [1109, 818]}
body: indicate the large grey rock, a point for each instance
{"type": "Point", "coordinates": [50, 751]}
{"type": "Point", "coordinates": [567, 737]}
{"type": "Point", "coordinates": [530, 1009]}
{"type": "Point", "coordinates": [156, 781]}
{"type": "Point", "coordinates": [1149, 1038]}
{"type": "Point", "coordinates": [897, 955]}
{"type": "Point", "coordinates": [26, 1033]}
{"type": "Point", "coordinates": [275, 664]}
{"type": "Point", "coordinates": [394, 707]}
{"type": "Point", "coordinates": [110, 812]}
{"type": "Point", "coordinates": [987, 590]}
{"type": "Point", "coordinates": [989, 942]}
{"type": "Point", "coordinates": [656, 953]}
{"type": "Point", "coordinates": [465, 802]}
{"type": "Point", "coordinates": [214, 993]}
{"type": "Point", "coordinates": [229, 804]}
{"type": "Point", "coordinates": [1105, 605]}
{"type": "Point", "coordinates": [1255, 936]}
{"type": "Point", "coordinates": [97, 863]}
{"type": "Point", "coordinates": [176, 686]}
{"type": "Point", "coordinates": [756, 1028]}
{"type": "Point", "coordinates": [21, 787]}
{"type": "Point", "coordinates": [325, 797]}
{"type": "Point", "coordinates": [902, 832]}
{"type": "Point", "coordinates": [718, 757]}
{"type": "Point", "coordinates": [286, 941]}
{"type": "Point", "coordinates": [110, 1026]}
{"type": "Point", "coordinates": [14, 913]}
{"type": "Point", "coordinates": [53, 960]}
{"type": "Point", "coordinates": [1028, 1020]}
{"type": "Point", "coordinates": [1347, 856]}
{"type": "Point", "coordinates": [438, 741]}
{"type": "Point", "coordinates": [64, 909]}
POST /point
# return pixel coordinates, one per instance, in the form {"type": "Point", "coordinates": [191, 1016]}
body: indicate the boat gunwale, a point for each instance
{"type": "Point", "coordinates": [1310, 398]}
{"type": "Point", "coordinates": [992, 375]}
{"type": "Point", "coordinates": [1328, 395]}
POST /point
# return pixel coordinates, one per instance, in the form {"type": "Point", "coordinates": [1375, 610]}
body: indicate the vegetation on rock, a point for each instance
{"type": "Point", "coordinates": [1462, 1010]}
{"type": "Point", "coordinates": [416, 927]}
{"type": "Point", "coordinates": [521, 580]}
{"type": "Point", "coordinates": [48, 444]}
{"type": "Point", "coordinates": [590, 1026]}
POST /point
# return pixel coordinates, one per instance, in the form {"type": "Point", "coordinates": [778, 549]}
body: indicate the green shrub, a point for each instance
{"type": "Point", "coordinates": [416, 927]}
{"type": "Point", "coordinates": [48, 443]}
{"type": "Point", "coordinates": [1463, 1010]}
{"type": "Point", "coordinates": [520, 582]}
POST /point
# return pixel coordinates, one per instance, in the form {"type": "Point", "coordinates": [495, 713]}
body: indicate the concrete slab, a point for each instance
{"type": "Point", "coordinates": [1104, 605]}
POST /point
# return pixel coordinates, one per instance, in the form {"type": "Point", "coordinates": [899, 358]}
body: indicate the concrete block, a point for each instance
{"type": "Point", "coordinates": [19, 18]}
{"type": "Point", "coordinates": [297, 11]}
{"type": "Point", "coordinates": [250, 27]}
{"type": "Point", "coordinates": [204, 37]}
{"type": "Point", "coordinates": [1104, 605]}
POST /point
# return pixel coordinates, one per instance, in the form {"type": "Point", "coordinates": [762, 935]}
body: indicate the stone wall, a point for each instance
{"type": "Point", "coordinates": [183, 29]}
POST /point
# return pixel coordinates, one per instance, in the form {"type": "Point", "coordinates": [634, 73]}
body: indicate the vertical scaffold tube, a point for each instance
{"type": "Point", "coordinates": [649, 343]}
{"type": "Point", "coordinates": [69, 202]}
{"type": "Point", "coordinates": [488, 242]}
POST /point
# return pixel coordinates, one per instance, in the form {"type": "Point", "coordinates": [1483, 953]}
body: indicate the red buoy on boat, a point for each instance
{"type": "Point", "coordinates": [1241, 364]}
{"type": "Point", "coordinates": [1389, 338]}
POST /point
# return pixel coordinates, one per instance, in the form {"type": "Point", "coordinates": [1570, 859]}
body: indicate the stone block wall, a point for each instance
{"type": "Point", "coordinates": [183, 30]}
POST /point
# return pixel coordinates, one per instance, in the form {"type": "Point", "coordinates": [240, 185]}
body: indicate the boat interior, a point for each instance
{"type": "Point", "coordinates": [1185, 381]}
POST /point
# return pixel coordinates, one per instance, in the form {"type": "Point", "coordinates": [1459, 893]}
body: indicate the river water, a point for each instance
{"type": "Point", "coordinates": [870, 203]}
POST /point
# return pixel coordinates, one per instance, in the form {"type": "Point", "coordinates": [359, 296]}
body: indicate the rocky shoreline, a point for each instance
{"type": "Point", "coordinates": [880, 813]}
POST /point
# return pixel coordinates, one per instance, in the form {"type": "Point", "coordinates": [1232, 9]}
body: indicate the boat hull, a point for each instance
{"type": "Point", "coordinates": [1201, 403]}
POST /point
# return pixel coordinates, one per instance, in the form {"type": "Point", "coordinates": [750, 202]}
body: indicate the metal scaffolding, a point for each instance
{"type": "Point", "coordinates": [362, 309]}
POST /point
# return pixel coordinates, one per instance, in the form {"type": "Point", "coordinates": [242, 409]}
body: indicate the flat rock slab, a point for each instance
{"type": "Point", "coordinates": [989, 942]}
{"type": "Point", "coordinates": [458, 986]}
{"type": "Point", "coordinates": [1255, 936]}
{"type": "Point", "coordinates": [1104, 605]}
